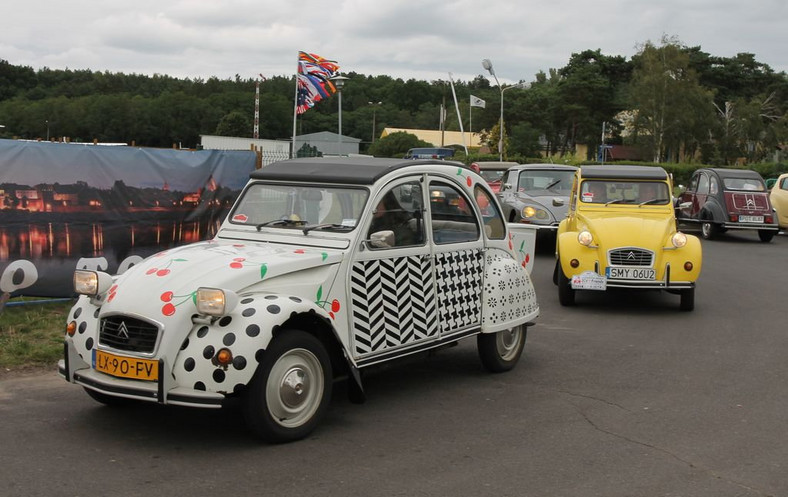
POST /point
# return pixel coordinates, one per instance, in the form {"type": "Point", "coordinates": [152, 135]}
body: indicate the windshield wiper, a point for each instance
{"type": "Point", "coordinates": [552, 184]}
{"type": "Point", "coordinates": [616, 201]}
{"type": "Point", "coordinates": [335, 226]}
{"type": "Point", "coordinates": [277, 222]}
{"type": "Point", "coordinates": [653, 201]}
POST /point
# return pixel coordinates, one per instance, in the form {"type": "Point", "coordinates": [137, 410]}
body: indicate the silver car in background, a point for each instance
{"type": "Point", "coordinates": [537, 194]}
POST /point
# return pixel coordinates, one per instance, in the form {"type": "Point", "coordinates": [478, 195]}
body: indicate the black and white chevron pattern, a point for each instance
{"type": "Point", "coordinates": [459, 279]}
{"type": "Point", "coordinates": [393, 303]}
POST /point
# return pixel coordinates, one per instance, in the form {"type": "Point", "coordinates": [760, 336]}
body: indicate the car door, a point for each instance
{"type": "Point", "coordinates": [392, 283]}
{"type": "Point", "coordinates": [779, 200]}
{"type": "Point", "coordinates": [458, 255]}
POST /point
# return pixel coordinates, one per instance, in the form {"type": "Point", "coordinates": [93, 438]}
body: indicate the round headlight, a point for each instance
{"type": "Point", "coordinates": [529, 212]}
{"type": "Point", "coordinates": [679, 239]}
{"type": "Point", "coordinates": [585, 238]}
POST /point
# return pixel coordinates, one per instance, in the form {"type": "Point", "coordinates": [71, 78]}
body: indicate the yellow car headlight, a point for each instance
{"type": "Point", "coordinates": [528, 212]}
{"type": "Point", "coordinates": [215, 301]}
{"type": "Point", "coordinates": [585, 238]}
{"type": "Point", "coordinates": [678, 239]}
{"type": "Point", "coordinates": [91, 283]}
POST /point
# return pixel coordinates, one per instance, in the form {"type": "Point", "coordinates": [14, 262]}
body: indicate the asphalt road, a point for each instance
{"type": "Point", "coordinates": [623, 395]}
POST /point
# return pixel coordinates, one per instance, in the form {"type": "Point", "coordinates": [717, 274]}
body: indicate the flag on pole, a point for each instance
{"type": "Point", "coordinates": [477, 102]}
{"type": "Point", "coordinates": [313, 80]}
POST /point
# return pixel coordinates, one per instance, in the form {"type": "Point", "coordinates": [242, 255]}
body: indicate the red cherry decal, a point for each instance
{"type": "Point", "coordinates": [166, 296]}
{"type": "Point", "coordinates": [151, 270]}
{"type": "Point", "coordinates": [335, 305]}
{"type": "Point", "coordinates": [113, 288]}
{"type": "Point", "coordinates": [239, 259]}
{"type": "Point", "coordinates": [469, 181]}
{"type": "Point", "coordinates": [162, 272]}
{"type": "Point", "coordinates": [527, 257]}
{"type": "Point", "coordinates": [111, 296]}
{"type": "Point", "coordinates": [236, 265]}
{"type": "Point", "coordinates": [332, 315]}
{"type": "Point", "coordinates": [299, 251]}
{"type": "Point", "coordinates": [168, 310]}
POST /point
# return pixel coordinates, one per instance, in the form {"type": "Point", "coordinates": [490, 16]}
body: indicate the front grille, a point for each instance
{"type": "Point", "coordinates": [631, 257]}
{"type": "Point", "coordinates": [127, 333]}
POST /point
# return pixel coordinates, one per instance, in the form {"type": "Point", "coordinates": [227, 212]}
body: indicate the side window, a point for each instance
{"type": "Point", "coordinates": [397, 218]}
{"type": "Point", "coordinates": [714, 186]}
{"type": "Point", "coordinates": [494, 226]}
{"type": "Point", "coordinates": [694, 183]}
{"type": "Point", "coordinates": [703, 184]}
{"type": "Point", "coordinates": [451, 215]}
{"type": "Point", "coordinates": [784, 184]}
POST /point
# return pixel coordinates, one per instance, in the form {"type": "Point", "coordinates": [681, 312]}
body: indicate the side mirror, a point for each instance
{"type": "Point", "coordinates": [685, 205]}
{"type": "Point", "coordinates": [382, 239]}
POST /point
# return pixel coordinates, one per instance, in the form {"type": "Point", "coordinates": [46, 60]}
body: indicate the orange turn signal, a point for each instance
{"type": "Point", "coordinates": [574, 263]}
{"type": "Point", "coordinates": [224, 357]}
{"type": "Point", "coordinates": [71, 328]}
{"type": "Point", "coordinates": [688, 266]}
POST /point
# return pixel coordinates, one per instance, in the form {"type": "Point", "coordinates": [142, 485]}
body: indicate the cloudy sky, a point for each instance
{"type": "Point", "coordinates": [422, 39]}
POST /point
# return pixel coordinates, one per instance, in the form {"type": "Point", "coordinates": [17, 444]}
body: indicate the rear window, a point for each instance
{"type": "Point", "coordinates": [429, 153]}
{"type": "Point", "coordinates": [747, 184]}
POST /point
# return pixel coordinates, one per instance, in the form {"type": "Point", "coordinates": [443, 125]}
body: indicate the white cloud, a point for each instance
{"type": "Point", "coordinates": [422, 39]}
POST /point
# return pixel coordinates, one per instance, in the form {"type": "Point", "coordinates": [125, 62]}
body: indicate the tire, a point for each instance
{"type": "Point", "coordinates": [687, 299]}
{"type": "Point", "coordinates": [766, 235]}
{"type": "Point", "coordinates": [291, 388]}
{"type": "Point", "coordinates": [566, 294]}
{"type": "Point", "coordinates": [499, 352]}
{"type": "Point", "coordinates": [109, 400]}
{"type": "Point", "coordinates": [708, 230]}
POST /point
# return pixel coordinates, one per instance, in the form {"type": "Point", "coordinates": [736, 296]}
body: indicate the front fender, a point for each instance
{"type": "Point", "coordinates": [246, 333]}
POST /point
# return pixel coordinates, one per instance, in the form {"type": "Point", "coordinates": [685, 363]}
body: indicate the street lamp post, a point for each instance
{"type": "Point", "coordinates": [339, 82]}
{"type": "Point", "coordinates": [374, 109]}
{"type": "Point", "coordinates": [489, 67]}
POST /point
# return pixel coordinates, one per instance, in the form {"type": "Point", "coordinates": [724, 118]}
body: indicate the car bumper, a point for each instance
{"type": "Point", "coordinates": [750, 226]}
{"type": "Point", "coordinates": [74, 370]}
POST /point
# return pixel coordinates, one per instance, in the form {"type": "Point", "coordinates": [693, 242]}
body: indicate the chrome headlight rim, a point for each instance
{"type": "Point", "coordinates": [91, 283]}
{"type": "Point", "coordinates": [678, 239]}
{"type": "Point", "coordinates": [215, 301]}
{"type": "Point", "coordinates": [585, 238]}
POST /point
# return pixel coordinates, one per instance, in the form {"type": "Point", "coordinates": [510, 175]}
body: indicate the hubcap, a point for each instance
{"type": "Point", "coordinates": [507, 342]}
{"type": "Point", "coordinates": [295, 388]}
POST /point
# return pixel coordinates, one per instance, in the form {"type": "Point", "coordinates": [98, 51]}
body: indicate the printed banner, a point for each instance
{"type": "Point", "coordinates": [64, 206]}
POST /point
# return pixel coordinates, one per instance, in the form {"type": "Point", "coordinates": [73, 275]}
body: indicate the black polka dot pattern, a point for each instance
{"type": "Point", "coordinates": [246, 333]}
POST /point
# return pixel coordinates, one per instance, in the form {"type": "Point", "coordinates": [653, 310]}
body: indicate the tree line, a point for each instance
{"type": "Point", "coordinates": [676, 103]}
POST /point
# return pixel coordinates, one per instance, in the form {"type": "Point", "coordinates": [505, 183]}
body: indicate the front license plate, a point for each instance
{"type": "Point", "coordinates": [630, 273]}
{"type": "Point", "coordinates": [588, 280]}
{"type": "Point", "coordinates": [750, 219]}
{"type": "Point", "coordinates": [125, 367]}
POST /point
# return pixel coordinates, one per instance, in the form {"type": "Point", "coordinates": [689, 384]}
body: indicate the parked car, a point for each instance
{"type": "Point", "coordinates": [319, 271]}
{"type": "Point", "coordinates": [537, 194]}
{"type": "Point", "coordinates": [430, 153]}
{"type": "Point", "coordinates": [621, 233]}
{"type": "Point", "coordinates": [779, 199]}
{"type": "Point", "coordinates": [723, 199]}
{"type": "Point", "coordinates": [492, 171]}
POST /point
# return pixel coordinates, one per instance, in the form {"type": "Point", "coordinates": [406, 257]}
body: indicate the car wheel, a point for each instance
{"type": "Point", "coordinates": [291, 389]}
{"type": "Point", "coordinates": [109, 400]}
{"type": "Point", "coordinates": [708, 230]}
{"type": "Point", "coordinates": [499, 352]}
{"type": "Point", "coordinates": [766, 235]}
{"type": "Point", "coordinates": [566, 294]}
{"type": "Point", "coordinates": [687, 299]}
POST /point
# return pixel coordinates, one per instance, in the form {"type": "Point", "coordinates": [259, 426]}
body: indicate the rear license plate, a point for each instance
{"type": "Point", "coordinates": [125, 367]}
{"type": "Point", "coordinates": [630, 273]}
{"type": "Point", "coordinates": [750, 219]}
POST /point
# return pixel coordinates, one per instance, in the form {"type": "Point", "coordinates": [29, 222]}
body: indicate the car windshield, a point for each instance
{"type": "Point", "coordinates": [747, 184]}
{"type": "Point", "coordinates": [491, 175]}
{"type": "Point", "coordinates": [624, 192]}
{"type": "Point", "coordinates": [300, 206]}
{"type": "Point", "coordinates": [545, 182]}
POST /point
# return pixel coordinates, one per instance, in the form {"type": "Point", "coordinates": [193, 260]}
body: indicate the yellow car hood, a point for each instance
{"type": "Point", "coordinates": [618, 229]}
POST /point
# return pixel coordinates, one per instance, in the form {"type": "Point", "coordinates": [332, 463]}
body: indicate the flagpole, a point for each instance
{"type": "Point", "coordinates": [295, 111]}
{"type": "Point", "coordinates": [459, 117]}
